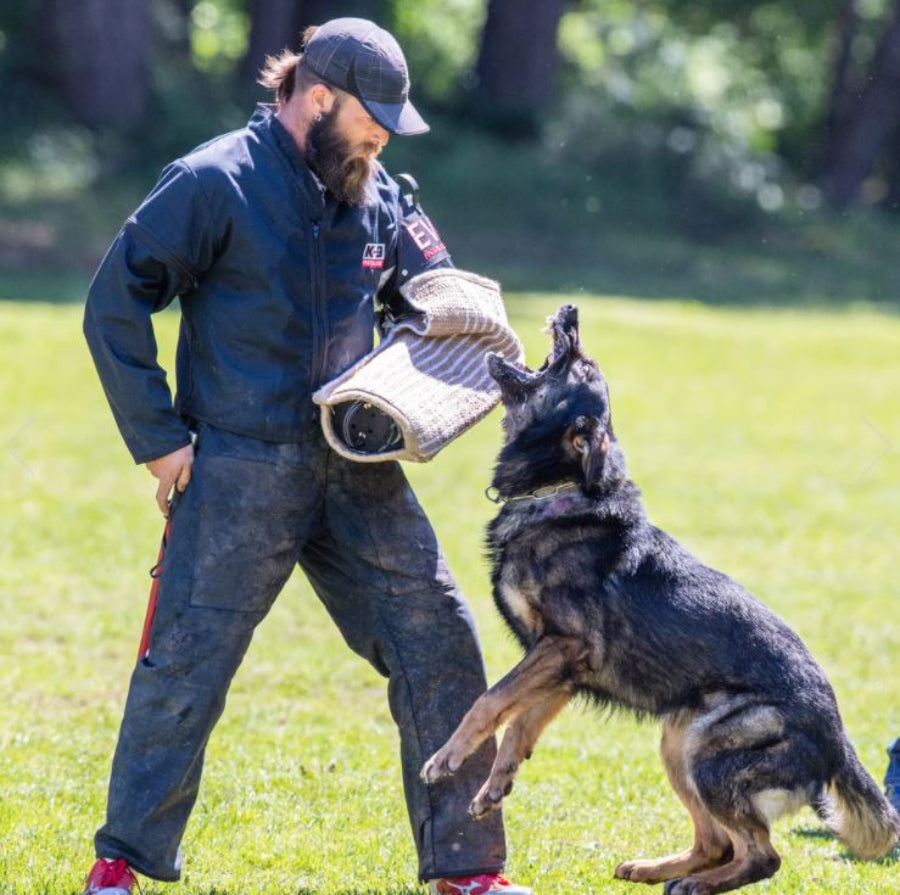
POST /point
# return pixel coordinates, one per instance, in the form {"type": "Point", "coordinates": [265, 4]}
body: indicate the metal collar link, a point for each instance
{"type": "Point", "coordinates": [538, 494]}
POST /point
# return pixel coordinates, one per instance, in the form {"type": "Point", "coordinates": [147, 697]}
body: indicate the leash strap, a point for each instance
{"type": "Point", "coordinates": [155, 573]}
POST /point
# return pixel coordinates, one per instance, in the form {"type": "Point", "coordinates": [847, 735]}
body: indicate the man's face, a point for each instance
{"type": "Point", "coordinates": [342, 147]}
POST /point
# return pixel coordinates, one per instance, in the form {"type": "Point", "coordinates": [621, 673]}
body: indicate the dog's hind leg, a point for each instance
{"type": "Point", "coordinates": [518, 742]}
{"type": "Point", "coordinates": [754, 859]}
{"type": "Point", "coordinates": [548, 667]}
{"type": "Point", "coordinates": [712, 844]}
{"type": "Point", "coordinates": [745, 789]}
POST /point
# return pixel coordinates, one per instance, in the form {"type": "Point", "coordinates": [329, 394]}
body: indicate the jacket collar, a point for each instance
{"type": "Point", "coordinates": [265, 123]}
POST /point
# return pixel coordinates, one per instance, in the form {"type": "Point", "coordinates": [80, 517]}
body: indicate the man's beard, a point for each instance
{"type": "Point", "coordinates": [344, 169]}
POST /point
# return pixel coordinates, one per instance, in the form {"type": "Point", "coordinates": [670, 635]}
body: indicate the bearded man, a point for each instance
{"type": "Point", "coordinates": [280, 239]}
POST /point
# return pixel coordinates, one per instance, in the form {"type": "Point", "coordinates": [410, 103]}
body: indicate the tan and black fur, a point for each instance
{"type": "Point", "coordinates": [609, 606]}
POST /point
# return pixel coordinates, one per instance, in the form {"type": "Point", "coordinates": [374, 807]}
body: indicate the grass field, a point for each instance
{"type": "Point", "coordinates": [766, 440]}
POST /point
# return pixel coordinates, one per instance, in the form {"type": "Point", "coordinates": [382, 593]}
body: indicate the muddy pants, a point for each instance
{"type": "Point", "coordinates": [253, 510]}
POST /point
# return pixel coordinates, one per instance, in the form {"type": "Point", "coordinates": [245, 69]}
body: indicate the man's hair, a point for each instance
{"type": "Point", "coordinates": [284, 74]}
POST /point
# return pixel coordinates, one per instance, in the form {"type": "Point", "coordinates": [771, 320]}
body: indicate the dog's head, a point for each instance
{"type": "Point", "coordinates": [557, 424]}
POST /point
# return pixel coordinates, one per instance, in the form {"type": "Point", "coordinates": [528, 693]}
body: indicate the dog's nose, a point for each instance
{"type": "Point", "coordinates": [568, 316]}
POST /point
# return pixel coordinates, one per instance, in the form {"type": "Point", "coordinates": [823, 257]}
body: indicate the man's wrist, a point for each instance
{"type": "Point", "coordinates": [159, 452]}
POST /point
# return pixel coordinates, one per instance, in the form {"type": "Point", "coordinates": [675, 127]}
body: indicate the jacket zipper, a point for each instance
{"type": "Point", "coordinates": [320, 334]}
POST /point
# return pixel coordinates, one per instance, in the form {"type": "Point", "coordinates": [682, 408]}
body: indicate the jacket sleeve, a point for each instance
{"type": "Point", "coordinates": [419, 246]}
{"type": "Point", "coordinates": [162, 250]}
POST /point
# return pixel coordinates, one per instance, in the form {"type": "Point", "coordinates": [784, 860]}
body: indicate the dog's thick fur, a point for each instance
{"type": "Point", "coordinates": [609, 606]}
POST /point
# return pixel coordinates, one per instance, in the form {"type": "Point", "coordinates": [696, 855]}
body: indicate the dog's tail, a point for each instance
{"type": "Point", "coordinates": [858, 812]}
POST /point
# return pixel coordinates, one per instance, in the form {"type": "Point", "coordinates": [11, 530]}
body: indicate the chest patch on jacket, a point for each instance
{"type": "Point", "coordinates": [373, 255]}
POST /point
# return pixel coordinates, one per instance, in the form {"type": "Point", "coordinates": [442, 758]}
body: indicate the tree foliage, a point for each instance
{"type": "Point", "coordinates": [763, 100]}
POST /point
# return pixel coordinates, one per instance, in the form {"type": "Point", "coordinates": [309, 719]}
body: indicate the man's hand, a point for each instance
{"type": "Point", "coordinates": [173, 470]}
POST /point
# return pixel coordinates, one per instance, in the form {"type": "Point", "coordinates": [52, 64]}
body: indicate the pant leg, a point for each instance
{"type": "Point", "coordinates": [892, 774]}
{"type": "Point", "coordinates": [234, 542]}
{"type": "Point", "coordinates": [377, 566]}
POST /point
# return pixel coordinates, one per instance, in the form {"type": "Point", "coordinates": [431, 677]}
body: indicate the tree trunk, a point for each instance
{"type": "Point", "coordinates": [315, 12]}
{"type": "Point", "coordinates": [274, 25]}
{"type": "Point", "coordinates": [518, 61]}
{"type": "Point", "coordinates": [867, 121]}
{"type": "Point", "coordinates": [277, 24]}
{"type": "Point", "coordinates": [891, 201]}
{"type": "Point", "coordinates": [102, 54]}
{"type": "Point", "coordinates": [182, 47]}
{"type": "Point", "coordinates": [843, 82]}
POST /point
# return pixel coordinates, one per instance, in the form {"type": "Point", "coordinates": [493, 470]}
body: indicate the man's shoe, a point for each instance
{"type": "Point", "coordinates": [892, 777]}
{"type": "Point", "coordinates": [476, 885]}
{"type": "Point", "coordinates": [111, 878]}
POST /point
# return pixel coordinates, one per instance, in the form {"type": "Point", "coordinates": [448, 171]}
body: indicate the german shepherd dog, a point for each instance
{"type": "Point", "coordinates": [609, 606]}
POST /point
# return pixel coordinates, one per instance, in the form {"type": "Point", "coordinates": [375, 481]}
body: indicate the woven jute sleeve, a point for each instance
{"type": "Point", "coordinates": [429, 372]}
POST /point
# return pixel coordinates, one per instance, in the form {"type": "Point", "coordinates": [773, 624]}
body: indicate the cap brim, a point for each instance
{"type": "Point", "coordinates": [398, 118]}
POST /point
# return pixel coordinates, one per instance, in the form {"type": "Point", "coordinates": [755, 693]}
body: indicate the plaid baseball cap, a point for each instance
{"type": "Point", "coordinates": [357, 56]}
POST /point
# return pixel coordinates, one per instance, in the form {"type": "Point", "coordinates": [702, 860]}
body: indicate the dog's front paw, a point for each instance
{"type": "Point", "coordinates": [637, 872]}
{"type": "Point", "coordinates": [440, 765]}
{"type": "Point", "coordinates": [488, 799]}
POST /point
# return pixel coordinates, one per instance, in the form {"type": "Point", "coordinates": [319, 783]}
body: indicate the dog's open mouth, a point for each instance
{"type": "Point", "coordinates": [563, 327]}
{"type": "Point", "coordinates": [515, 378]}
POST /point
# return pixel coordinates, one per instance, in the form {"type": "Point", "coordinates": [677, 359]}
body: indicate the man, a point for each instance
{"type": "Point", "coordinates": [892, 775]}
{"type": "Point", "coordinates": [279, 238]}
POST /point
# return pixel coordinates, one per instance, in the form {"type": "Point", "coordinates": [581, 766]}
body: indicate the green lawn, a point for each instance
{"type": "Point", "coordinates": [768, 441]}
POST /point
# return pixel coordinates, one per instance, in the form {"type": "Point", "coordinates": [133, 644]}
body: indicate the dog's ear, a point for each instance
{"type": "Point", "coordinates": [590, 442]}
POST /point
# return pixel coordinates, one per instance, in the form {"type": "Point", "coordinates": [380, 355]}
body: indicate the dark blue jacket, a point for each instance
{"type": "Point", "coordinates": [278, 284]}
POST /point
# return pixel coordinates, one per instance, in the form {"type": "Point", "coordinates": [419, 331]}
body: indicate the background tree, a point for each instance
{"type": "Point", "coordinates": [707, 118]}
{"type": "Point", "coordinates": [518, 61]}
{"type": "Point", "coordinates": [276, 24]}
{"type": "Point", "coordinates": [865, 108]}
{"type": "Point", "coordinates": [104, 78]}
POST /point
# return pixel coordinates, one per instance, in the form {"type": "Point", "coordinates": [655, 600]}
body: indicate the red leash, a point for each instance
{"type": "Point", "coordinates": [155, 573]}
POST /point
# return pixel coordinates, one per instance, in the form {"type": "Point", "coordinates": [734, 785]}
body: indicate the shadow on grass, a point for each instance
{"type": "Point", "coordinates": [727, 275]}
{"type": "Point", "coordinates": [719, 278]}
{"type": "Point", "coordinates": [733, 273]}
{"type": "Point", "coordinates": [533, 243]}
{"type": "Point", "coordinates": [45, 285]}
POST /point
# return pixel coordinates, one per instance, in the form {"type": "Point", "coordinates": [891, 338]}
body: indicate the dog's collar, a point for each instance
{"type": "Point", "coordinates": [538, 494]}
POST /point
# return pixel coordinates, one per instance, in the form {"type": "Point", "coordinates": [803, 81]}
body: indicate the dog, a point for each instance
{"type": "Point", "coordinates": [608, 606]}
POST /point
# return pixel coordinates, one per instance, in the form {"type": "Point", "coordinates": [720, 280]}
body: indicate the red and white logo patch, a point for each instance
{"type": "Point", "coordinates": [425, 236]}
{"type": "Point", "coordinates": [373, 255]}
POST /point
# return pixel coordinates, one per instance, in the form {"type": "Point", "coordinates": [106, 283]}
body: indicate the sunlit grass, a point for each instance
{"type": "Point", "coordinates": [767, 441]}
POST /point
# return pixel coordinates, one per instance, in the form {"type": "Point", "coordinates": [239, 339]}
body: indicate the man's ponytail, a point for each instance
{"type": "Point", "coordinates": [282, 71]}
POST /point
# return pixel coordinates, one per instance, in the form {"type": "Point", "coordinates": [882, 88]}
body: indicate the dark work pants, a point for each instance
{"type": "Point", "coordinates": [251, 511]}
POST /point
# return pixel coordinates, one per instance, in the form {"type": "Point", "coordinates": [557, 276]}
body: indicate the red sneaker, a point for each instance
{"type": "Point", "coordinates": [476, 885]}
{"type": "Point", "coordinates": [111, 878]}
